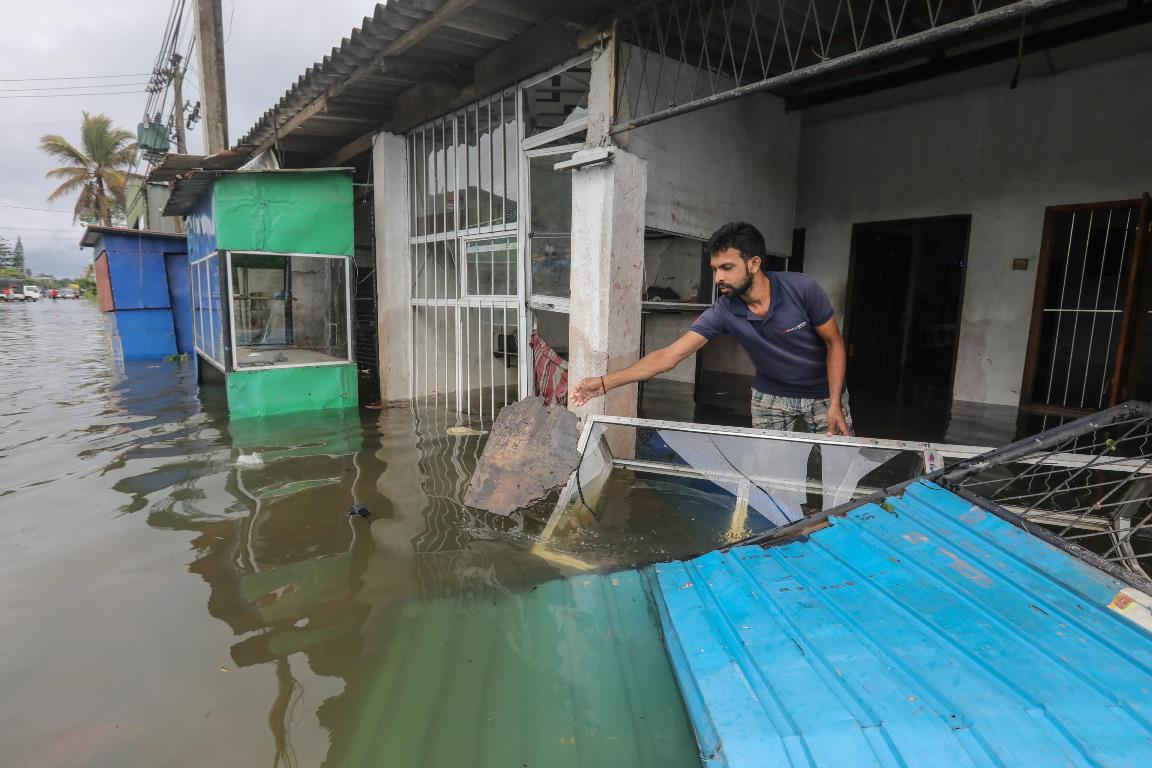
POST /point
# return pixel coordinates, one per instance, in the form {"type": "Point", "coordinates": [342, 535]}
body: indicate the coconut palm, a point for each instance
{"type": "Point", "coordinates": [97, 171]}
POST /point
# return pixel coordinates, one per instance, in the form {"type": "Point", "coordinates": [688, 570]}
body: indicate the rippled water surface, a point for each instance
{"type": "Point", "coordinates": [181, 590]}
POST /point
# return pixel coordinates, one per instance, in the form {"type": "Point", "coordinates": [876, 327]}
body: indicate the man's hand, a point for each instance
{"type": "Point", "coordinates": [836, 422]}
{"type": "Point", "coordinates": [587, 389]}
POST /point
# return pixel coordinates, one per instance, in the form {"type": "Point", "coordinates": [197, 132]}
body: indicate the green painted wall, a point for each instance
{"type": "Point", "coordinates": [270, 391]}
{"type": "Point", "coordinates": [285, 212]}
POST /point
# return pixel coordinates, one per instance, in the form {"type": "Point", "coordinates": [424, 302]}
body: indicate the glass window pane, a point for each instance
{"type": "Point", "coordinates": [491, 266]}
{"type": "Point", "coordinates": [498, 189]}
{"type": "Point", "coordinates": [558, 100]}
{"type": "Point", "coordinates": [550, 245]}
{"type": "Point", "coordinates": [677, 492]}
{"type": "Point", "coordinates": [511, 158]}
{"type": "Point", "coordinates": [289, 310]}
{"type": "Point", "coordinates": [484, 121]}
{"type": "Point", "coordinates": [472, 139]}
{"type": "Point", "coordinates": [461, 171]}
{"type": "Point", "coordinates": [419, 175]}
{"type": "Point", "coordinates": [551, 265]}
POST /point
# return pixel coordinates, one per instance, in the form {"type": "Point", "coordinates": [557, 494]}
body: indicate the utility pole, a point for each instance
{"type": "Point", "coordinates": [210, 41]}
{"type": "Point", "coordinates": [178, 104]}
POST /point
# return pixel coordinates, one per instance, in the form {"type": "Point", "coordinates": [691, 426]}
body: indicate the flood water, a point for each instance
{"type": "Point", "coordinates": [177, 589]}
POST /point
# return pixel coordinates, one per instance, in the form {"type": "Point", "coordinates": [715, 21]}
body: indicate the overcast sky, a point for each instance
{"type": "Point", "coordinates": [268, 44]}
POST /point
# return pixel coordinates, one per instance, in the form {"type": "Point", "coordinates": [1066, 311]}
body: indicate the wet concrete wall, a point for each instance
{"type": "Point", "coordinates": [997, 154]}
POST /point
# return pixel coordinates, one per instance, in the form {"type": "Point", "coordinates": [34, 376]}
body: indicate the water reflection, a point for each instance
{"type": "Point", "coordinates": [426, 634]}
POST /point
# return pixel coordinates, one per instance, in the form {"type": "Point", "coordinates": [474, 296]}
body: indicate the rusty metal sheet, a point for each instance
{"type": "Point", "coordinates": [530, 452]}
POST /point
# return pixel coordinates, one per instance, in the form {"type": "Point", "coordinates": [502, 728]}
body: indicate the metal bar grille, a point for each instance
{"type": "Point", "coordinates": [681, 55]}
{"type": "Point", "coordinates": [463, 191]}
{"type": "Point", "coordinates": [1088, 483]}
{"type": "Point", "coordinates": [1081, 301]}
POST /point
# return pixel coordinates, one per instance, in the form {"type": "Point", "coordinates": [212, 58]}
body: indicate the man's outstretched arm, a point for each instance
{"type": "Point", "coordinates": [653, 363]}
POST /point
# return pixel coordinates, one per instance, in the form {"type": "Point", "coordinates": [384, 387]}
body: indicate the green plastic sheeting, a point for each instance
{"type": "Point", "coordinates": [570, 674]}
{"type": "Point", "coordinates": [285, 212]}
{"type": "Point", "coordinates": [272, 391]}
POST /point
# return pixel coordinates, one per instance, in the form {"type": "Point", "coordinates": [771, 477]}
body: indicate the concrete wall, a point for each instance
{"type": "Point", "coordinates": [736, 160]}
{"type": "Point", "coordinates": [997, 154]}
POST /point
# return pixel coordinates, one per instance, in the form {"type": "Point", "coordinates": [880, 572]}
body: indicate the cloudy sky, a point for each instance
{"type": "Point", "coordinates": [268, 44]}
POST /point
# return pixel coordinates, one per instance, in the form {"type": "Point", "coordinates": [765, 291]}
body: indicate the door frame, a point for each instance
{"type": "Point", "coordinates": [849, 310]}
{"type": "Point", "coordinates": [1032, 355]}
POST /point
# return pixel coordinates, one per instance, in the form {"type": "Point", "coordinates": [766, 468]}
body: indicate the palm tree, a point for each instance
{"type": "Point", "coordinates": [98, 171]}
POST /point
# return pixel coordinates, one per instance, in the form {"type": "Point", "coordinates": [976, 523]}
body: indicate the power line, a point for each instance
{"type": "Point", "coordinates": [74, 87]}
{"type": "Point", "coordinates": [22, 228]}
{"type": "Point", "coordinates": [36, 125]}
{"type": "Point", "coordinates": [48, 210]}
{"type": "Point", "coordinates": [65, 95]}
{"type": "Point", "coordinates": [77, 77]}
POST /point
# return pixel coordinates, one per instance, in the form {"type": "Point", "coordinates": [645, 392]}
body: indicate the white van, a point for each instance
{"type": "Point", "coordinates": [32, 293]}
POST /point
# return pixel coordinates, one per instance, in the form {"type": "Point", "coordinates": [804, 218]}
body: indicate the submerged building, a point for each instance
{"type": "Point", "coordinates": [966, 181]}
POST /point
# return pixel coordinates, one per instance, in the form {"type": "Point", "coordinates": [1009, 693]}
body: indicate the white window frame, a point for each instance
{"type": "Point", "coordinates": [199, 292]}
{"type": "Point", "coordinates": [347, 310]}
{"type": "Point", "coordinates": [462, 260]}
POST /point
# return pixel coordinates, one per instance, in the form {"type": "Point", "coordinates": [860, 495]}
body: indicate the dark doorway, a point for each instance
{"type": "Point", "coordinates": [1090, 344]}
{"type": "Point", "coordinates": [905, 292]}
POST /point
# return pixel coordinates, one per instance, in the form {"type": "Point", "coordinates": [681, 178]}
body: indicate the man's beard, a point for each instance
{"type": "Point", "coordinates": [736, 291]}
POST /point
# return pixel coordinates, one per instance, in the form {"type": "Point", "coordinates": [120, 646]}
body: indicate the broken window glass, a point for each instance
{"type": "Point", "coordinates": [662, 491]}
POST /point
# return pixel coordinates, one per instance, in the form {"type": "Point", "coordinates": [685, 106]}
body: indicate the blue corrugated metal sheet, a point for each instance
{"type": "Point", "coordinates": [142, 334]}
{"type": "Point", "coordinates": [136, 267]}
{"type": "Point", "coordinates": [923, 632]}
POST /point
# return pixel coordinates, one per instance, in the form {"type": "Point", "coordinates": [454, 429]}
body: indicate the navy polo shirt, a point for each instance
{"type": "Point", "coordinates": [789, 356]}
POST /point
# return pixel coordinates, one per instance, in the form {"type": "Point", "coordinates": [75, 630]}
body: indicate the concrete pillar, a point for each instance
{"type": "Point", "coordinates": [393, 265]}
{"type": "Point", "coordinates": [608, 198]}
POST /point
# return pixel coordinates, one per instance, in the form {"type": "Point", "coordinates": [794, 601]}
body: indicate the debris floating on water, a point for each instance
{"type": "Point", "coordinates": [358, 510]}
{"type": "Point", "coordinates": [530, 453]}
{"type": "Point", "coordinates": [465, 431]}
{"type": "Point", "coordinates": [249, 460]}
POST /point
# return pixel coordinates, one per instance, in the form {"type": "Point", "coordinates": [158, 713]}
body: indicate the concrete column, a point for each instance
{"type": "Point", "coordinates": [607, 271]}
{"type": "Point", "coordinates": [393, 265]}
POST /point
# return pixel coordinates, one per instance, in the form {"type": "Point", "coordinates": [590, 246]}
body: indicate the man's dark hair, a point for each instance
{"type": "Point", "coordinates": [739, 235]}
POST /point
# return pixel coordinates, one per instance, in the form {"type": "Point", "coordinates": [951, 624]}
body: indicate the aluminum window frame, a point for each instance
{"type": "Point", "coordinates": [204, 317]}
{"type": "Point", "coordinates": [348, 358]}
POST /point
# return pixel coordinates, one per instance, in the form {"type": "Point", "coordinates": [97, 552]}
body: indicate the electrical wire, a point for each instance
{"type": "Point", "coordinates": [66, 95]}
{"type": "Point", "coordinates": [73, 87]}
{"type": "Point", "coordinates": [75, 77]}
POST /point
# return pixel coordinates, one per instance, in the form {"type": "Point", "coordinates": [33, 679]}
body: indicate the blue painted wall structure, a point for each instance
{"type": "Point", "coordinates": [150, 313]}
{"type": "Point", "coordinates": [923, 631]}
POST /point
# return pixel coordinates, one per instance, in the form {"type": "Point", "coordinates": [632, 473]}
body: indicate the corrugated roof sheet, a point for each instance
{"type": "Point", "coordinates": [922, 631]}
{"type": "Point", "coordinates": [402, 44]}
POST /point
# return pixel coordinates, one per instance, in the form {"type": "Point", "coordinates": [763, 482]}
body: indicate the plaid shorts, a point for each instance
{"type": "Point", "coordinates": [782, 413]}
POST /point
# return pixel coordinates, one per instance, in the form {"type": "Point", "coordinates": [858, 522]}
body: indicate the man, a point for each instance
{"type": "Point", "coordinates": [785, 323]}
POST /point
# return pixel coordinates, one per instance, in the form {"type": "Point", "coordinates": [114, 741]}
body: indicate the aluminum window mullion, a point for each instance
{"type": "Point", "coordinates": [232, 319]}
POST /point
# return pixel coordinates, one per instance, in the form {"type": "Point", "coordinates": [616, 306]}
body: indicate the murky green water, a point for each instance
{"type": "Point", "coordinates": [166, 598]}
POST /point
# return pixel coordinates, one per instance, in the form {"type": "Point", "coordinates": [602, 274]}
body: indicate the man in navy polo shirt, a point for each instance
{"type": "Point", "coordinates": [782, 319]}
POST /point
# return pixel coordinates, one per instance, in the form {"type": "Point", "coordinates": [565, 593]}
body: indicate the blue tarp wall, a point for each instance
{"type": "Point", "coordinates": [152, 309]}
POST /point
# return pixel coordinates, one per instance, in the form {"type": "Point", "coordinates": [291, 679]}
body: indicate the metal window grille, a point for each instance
{"type": "Point", "coordinates": [680, 55]}
{"type": "Point", "coordinates": [1086, 299]}
{"type": "Point", "coordinates": [1084, 486]}
{"type": "Point", "coordinates": [464, 184]}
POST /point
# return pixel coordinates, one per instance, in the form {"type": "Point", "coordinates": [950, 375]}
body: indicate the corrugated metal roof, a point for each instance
{"type": "Point", "coordinates": [403, 44]}
{"type": "Point", "coordinates": [566, 674]}
{"type": "Point", "coordinates": [920, 631]}
{"type": "Point", "coordinates": [93, 232]}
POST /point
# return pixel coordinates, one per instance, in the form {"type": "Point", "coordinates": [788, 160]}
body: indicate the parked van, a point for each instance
{"type": "Point", "coordinates": [32, 293]}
